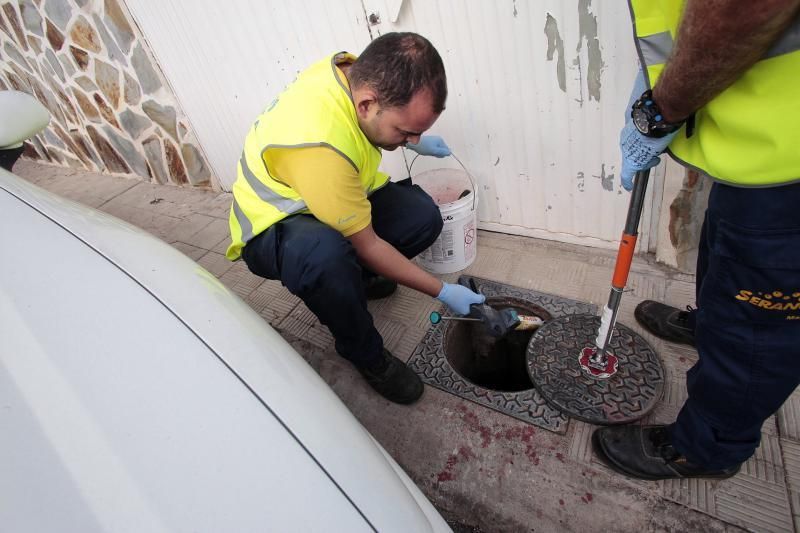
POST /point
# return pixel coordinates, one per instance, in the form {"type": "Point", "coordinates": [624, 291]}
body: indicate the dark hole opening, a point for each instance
{"type": "Point", "coordinates": [497, 364]}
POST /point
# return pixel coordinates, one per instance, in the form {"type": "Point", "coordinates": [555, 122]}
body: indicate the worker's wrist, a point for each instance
{"type": "Point", "coordinates": [671, 112]}
{"type": "Point", "coordinates": [439, 291]}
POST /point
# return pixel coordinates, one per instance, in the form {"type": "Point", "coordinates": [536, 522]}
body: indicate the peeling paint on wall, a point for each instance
{"type": "Point", "coordinates": [587, 24]}
{"type": "Point", "coordinates": [686, 214]}
{"type": "Point", "coordinates": [607, 181]}
{"type": "Point", "coordinates": [556, 44]}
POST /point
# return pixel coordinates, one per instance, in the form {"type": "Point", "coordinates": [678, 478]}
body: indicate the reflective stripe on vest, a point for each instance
{"type": "Point", "coordinates": [281, 203]}
{"type": "Point", "coordinates": [656, 48]}
{"type": "Point", "coordinates": [315, 110]}
{"type": "Point", "coordinates": [748, 134]}
{"type": "Point", "coordinates": [243, 221]}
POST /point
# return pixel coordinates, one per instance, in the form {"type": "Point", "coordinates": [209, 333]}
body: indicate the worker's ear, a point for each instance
{"type": "Point", "coordinates": [366, 101]}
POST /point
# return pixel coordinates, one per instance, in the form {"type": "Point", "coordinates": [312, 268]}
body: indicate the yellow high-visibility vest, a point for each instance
{"type": "Point", "coordinates": [315, 110]}
{"type": "Point", "coordinates": [749, 134]}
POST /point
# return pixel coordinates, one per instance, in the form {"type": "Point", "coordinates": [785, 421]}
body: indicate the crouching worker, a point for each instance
{"type": "Point", "coordinates": [311, 209]}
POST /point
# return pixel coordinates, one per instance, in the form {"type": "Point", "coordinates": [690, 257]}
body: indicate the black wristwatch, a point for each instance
{"type": "Point", "coordinates": [648, 118]}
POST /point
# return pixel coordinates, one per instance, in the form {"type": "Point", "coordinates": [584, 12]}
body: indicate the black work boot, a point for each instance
{"type": "Point", "coordinates": [646, 452]}
{"type": "Point", "coordinates": [378, 287]}
{"type": "Point", "coordinates": [666, 322]}
{"type": "Point", "coordinates": [393, 380]}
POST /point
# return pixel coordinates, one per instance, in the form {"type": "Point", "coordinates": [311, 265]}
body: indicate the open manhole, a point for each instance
{"type": "Point", "coordinates": [497, 364]}
{"type": "Point", "coordinates": [445, 358]}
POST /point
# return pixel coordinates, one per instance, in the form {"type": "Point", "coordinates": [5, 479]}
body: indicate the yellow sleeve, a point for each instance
{"type": "Point", "coordinates": [328, 184]}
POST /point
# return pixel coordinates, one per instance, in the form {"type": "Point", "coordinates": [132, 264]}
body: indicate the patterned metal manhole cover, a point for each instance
{"type": "Point", "coordinates": [431, 364]}
{"type": "Point", "coordinates": [628, 395]}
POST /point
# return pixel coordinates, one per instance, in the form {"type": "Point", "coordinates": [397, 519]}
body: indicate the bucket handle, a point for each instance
{"type": "Point", "coordinates": [471, 179]}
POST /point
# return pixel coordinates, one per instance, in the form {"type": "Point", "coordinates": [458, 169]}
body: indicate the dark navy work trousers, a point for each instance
{"type": "Point", "coordinates": [747, 328]}
{"type": "Point", "coordinates": [319, 265]}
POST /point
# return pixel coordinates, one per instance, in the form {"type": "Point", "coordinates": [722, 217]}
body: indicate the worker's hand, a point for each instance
{"type": "Point", "coordinates": [638, 151]}
{"type": "Point", "coordinates": [458, 298]}
{"type": "Point", "coordinates": [430, 145]}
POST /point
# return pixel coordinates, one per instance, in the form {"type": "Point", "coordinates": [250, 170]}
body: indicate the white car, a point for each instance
{"type": "Point", "coordinates": [138, 394]}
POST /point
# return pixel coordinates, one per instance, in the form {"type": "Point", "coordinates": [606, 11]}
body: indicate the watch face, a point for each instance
{"type": "Point", "coordinates": [640, 121]}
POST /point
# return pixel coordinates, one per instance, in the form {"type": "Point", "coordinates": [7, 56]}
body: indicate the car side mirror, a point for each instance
{"type": "Point", "coordinates": [21, 117]}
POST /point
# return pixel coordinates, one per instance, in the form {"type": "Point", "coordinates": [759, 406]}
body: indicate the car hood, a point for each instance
{"type": "Point", "coordinates": [141, 369]}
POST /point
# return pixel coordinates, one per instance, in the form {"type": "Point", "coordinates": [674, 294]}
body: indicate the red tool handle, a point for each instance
{"type": "Point", "coordinates": [627, 245]}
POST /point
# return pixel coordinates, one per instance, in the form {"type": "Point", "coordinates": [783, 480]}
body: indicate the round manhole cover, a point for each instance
{"type": "Point", "coordinates": [552, 358]}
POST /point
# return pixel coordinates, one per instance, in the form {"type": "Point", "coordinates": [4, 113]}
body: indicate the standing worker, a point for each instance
{"type": "Point", "coordinates": [311, 209]}
{"type": "Point", "coordinates": [724, 76]}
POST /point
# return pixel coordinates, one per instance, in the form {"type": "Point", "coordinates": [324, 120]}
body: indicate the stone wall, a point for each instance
{"type": "Point", "coordinates": [112, 110]}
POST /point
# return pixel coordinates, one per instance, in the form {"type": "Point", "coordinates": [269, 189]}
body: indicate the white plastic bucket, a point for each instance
{"type": "Point", "coordinates": [457, 245]}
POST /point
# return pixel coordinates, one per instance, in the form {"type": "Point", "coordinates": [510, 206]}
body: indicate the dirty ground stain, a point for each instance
{"type": "Point", "coordinates": [587, 498]}
{"type": "Point", "coordinates": [587, 25]}
{"type": "Point", "coordinates": [530, 453]}
{"type": "Point", "coordinates": [444, 476]}
{"type": "Point", "coordinates": [525, 435]}
{"type": "Point", "coordinates": [474, 424]}
{"type": "Point", "coordinates": [556, 44]}
{"type": "Point", "coordinates": [447, 474]}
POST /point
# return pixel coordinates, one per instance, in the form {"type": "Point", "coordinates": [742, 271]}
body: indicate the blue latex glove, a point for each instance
{"type": "Point", "coordinates": [638, 151]}
{"type": "Point", "coordinates": [430, 145]}
{"type": "Point", "coordinates": [458, 298]}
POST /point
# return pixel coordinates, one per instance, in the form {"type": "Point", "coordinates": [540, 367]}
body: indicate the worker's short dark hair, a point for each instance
{"type": "Point", "coordinates": [397, 65]}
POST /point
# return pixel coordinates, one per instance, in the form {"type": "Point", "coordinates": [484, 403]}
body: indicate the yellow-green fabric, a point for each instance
{"type": "Point", "coordinates": [748, 135]}
{"type": "Point", "coordinates": [315, 110]}
{"type": "Point", "coordinates": [328, 184]}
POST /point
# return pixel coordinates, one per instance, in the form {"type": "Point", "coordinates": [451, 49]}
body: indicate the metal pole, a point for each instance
{"type": "Point", "coordinates": [622, 268]}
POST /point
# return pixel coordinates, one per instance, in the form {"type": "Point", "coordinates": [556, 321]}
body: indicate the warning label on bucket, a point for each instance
{"type": "Point", "coordinates": [455, 247]}
{"type": "Point", "coordinates": [469, 241]}
{"type": "Point", "coordinates": [443, 249]}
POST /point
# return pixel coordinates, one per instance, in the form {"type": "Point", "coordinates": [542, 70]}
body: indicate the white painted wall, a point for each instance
{"type": "Point", "coordinates": [227, 60]}
{"type": "Point", "coordinates": [539, 144]}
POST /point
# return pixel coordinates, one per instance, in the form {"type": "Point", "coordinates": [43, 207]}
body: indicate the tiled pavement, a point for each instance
{"type": "Point", "coordinates": [479, 465]}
